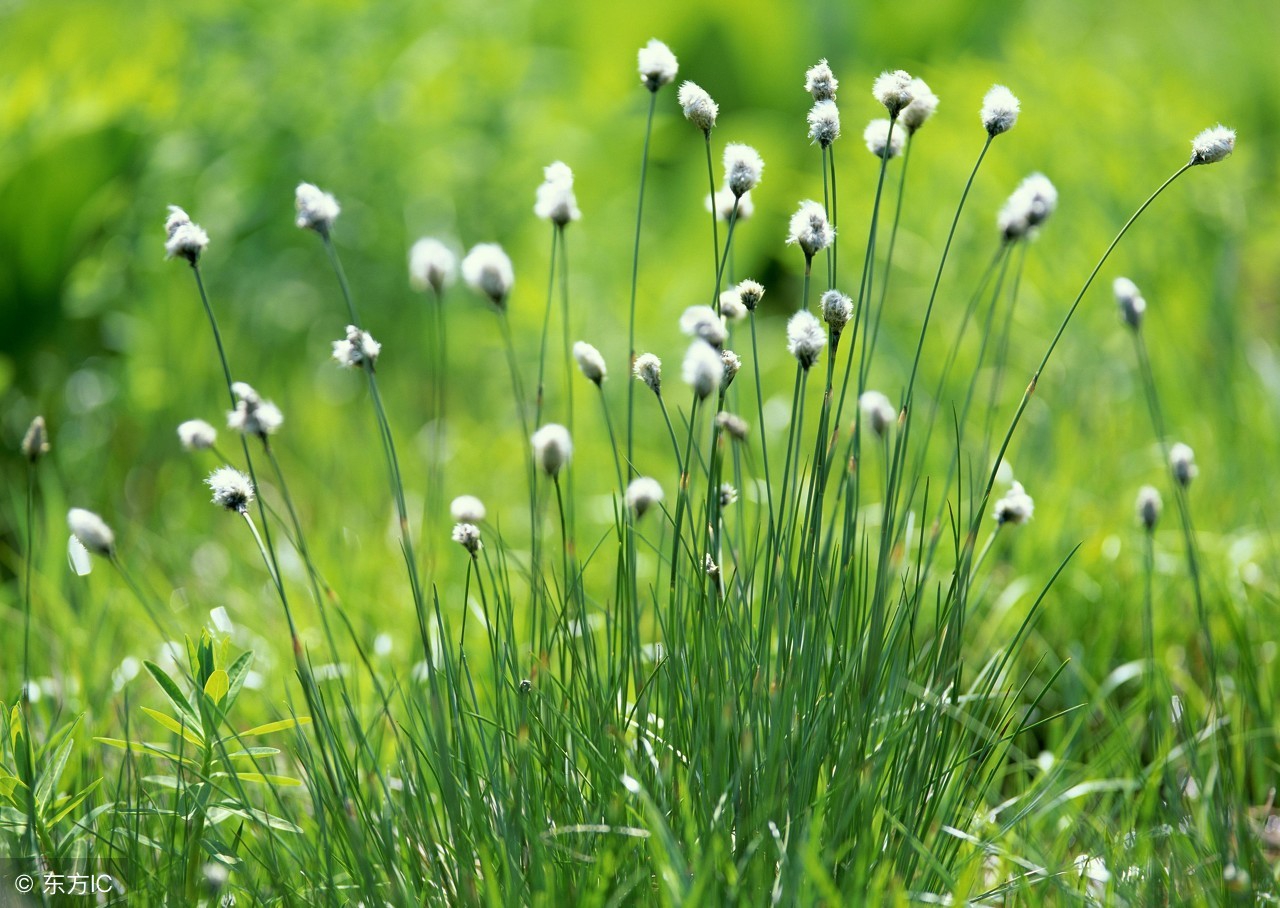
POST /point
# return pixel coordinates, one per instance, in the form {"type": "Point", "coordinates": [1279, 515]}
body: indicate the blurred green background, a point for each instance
{"type": "Point", "coordinates": [430, 118]}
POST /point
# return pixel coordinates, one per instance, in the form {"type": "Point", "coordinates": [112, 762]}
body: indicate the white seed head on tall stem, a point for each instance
{"type": "Point", "coordinates": [824, 123]}
{"type": "Point", "coordinates": [731, 307]}
{"type": "Point", "coordinates": [555, 201]}
{"type": "Point", "coordinates": [35, 443]}
{"type": "Point", "coordinates": [253, 415]}
{"type": "Point", "coordinates": [317, 209]}
{"type": "Point", "coordinates": [703, 369]}
{"type": "Point", "coordinates": [642, 494]}
{"type": "Point", "coordinates": [1015, 507]}
{"type": "Point", "coordinates": [1129, 299]}
{"type": "Point", "coordinates": [467, 509]}
{"type": "Point", "coordinates": [590, 362]}
{"type": "Point", "coordinates": [1182, 461]}
{"type": "Point", "coordinates": [837, 309]}
{"type": "Point", "coordinates": [878, 410]}
{"type": "Point", "coordinates": [728, 494]}
{"type": "Point", "coordinates": [1213, 145]}
{"type": "Point", "coordinates": [552, 448]}
{"type": "Point", "coordinates": [357, 349]}
{"type": "Point", "coordinates": [231, 489]}
{"type": "Point", "coordinates": [705, 323]}
{"type": "Point", "coordinates": [742, 168]}
{"type": "Point", "coordinates": [882, 140]}
{"type": "Point", "coordinates": [648, 369]}
{"type": "Point", "coordinates": [809, 228]}
{"type": "Point", "coordinates": [468, 536]}
{"type": "Point", "coordinates": [723, 205]}
{"type": "Point", "coordinates": [92, 531]}
{"type": "Point", "coordinates": [1149, 505]}
{"type": "Point", "coordinates": [431, 264]}
{"type": "Point", "coordinates": [735, 425]}
{"type": "Point", "coordinates": [821, 82]}
{"type": "Point", "coordinates": [1027, 207]}
{"type": "Point", "coordinates": [197, 435]}
{"type": "Point", "coordinates": [698, 107]}
{"type": "Point", "coordinates": [999, 110]}
{"type": "Point", "coordinates": [893, 90]}
{"type": "Point", "coordinates": [487, 270]}
{"type": "Point", "coordinates": [658, 65]}
{"type": "Point", "coordinates": [923, 105]}
{"type": "Point", "coordinates": [183, 239]}
{"type": "Point", "coordinates": [732, 363]}
{"type": "Point", "coordinates": [750, 293]}
{"type": "Point", "coordinates": [805, 338]}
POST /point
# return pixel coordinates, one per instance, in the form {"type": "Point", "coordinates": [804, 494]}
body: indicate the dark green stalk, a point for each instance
{"type": "Point", "coordinates": [635, 272]}
{"type": "Point", "coordinates": [546, 328]}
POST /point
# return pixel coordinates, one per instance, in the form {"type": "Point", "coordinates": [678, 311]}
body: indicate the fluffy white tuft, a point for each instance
{"type": "Point", "coordinates": [750, 293]}
{"type": "Point", "coordinates": [1149, 506]}
{"type": "Point", "coordinates": [809, 228]}
{"type": "Point", "coordinates": [590, 361]}
{"type": "Point", "coordinates": [742, 168]}
{"type": "Point", "coordinates": [642, 494]}
{"type": "Point", "coordinates": [824, 123]}
{"type": "Point", "coordinates": [431, 264]}
{"type": "Point", "coordinates": [357, 349]}
{"type": "Point", "coordinates": [1129, 299]}
{"type": "Point", "coordinates": [923, 105]}
{"type": "Point", "coordinates": [467, 509]}
{"type": "Point", "coordinates": [821, 82]}
{"type": "Point", "coordinates": [1182, 461]}
{"type": "Point", "coordinates": [999, 110]}
{"type": "Point", "coordinates": [879, 411]}
{"type": "Point", "coordinates": [467, 535]}
{"type": "Point", "coordinates": [658, 65]}
{"type": "Point", "coordinates": [253, 415]}
{"type": "Point", "coordinates": [92, 531]}
{"type": "Point", "coordinates": [183, 238]}
{"type": "Point", "coordinates": [555, 200]}
{"type": "Point", "coordinates": [883, 140]}
{"type": "Point", "coordinates": [487, 270]}
{"type": "Point", "coordinates": [1015, 507]}
{"type": "Point", "coordinates": [197, 435]}
{"type": "Point", "coordinates": [231, 489]}
{"type": "Point", "coordinates": [705, 323]}
{"type": "Point", "coordinates": [805, 338]}
{"type": "Point", "coordinates": [837, 309]}
{"type": "Point", "coordinates": [699, 109]}
{"type": "Point", "coordinates": [552, 448]}
{"type": "Point", "coordinates": [723, 202]}
{"type": "Point", "coordinates": [1212, 145]}
{"type": "Point", "coordinates": [1027, 207]}
{"type": "Point", "coordinates": [317, 209]}
{"type": "Point", "coordinates": [893, 90]}
{"type": "Point", "coordinates": [703, 368]}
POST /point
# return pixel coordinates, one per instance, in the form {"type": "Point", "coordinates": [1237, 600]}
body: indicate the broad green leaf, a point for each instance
{"type": "Point", "coordinates": [164, 781]}
{"type": "Point", "coordinates": [217, 686]}
{"type": "Point", "coordinates": [186, 731]}
{"type": "Point", "coordinates": [53, 772]}
{"type": "Point", "coordinates": [282, 725]}
{"type": "Point", "coordinates": [172, 691]}
{"type": "Point", "coordinates": [218, 814]}
{"type": "Point", "coordinates": [237, 673]}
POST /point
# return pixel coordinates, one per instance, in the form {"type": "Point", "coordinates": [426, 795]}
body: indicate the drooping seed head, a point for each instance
{"type": "Point", "coordinates": [317, 209]}
{"type": "Point", "coordinates": [805, 338]}
{"type": "Point", "coordinates": [821, 82]}
{"type": "Point", "coordinates": [1129, 299]}
{"type": "Point", "coordinates": [92, 531]}
{"type": "Point", "coordinates": [1149, 506]}
{"type": "Point", "coordinates": [1015, 507]}
{"type": "Point", "coordinates": [487, 270]}
{"type": "Point", "coordinates": [658, 65]}
{"type": "Point", "coordinates": [883, 140]}
{"type": "Point", "coordinates": [837, 309]}
{"type": "Point", "coordinates": [555, 200]}
{"type": "Point", "coordinates": [699, 109]}
{"type": "Point", "coordinates": [431, 264]}
{"type": "Point", "coordinates": [552, 448]}
{"type": "Point", "coordinates": [467, 509]}
{"type": "Point", "coordinates": [703, 368]}
{"type": "Point", "coordinates": [878, 410]}
{"type": "Point", "coordinates": [893, 90]}
{"type": "Point", "coordinates": [750, 293]}
{"type": "Point", "coordinates": [735, 425]}
{"type": "Point", "coordinates": [1182, 461]}
{"type": "Point", "coordinates": [231, 489]}
{"type": "Point", "coordinates": [731, 307]}
{"type": "Point", "coordinates": [723, 205]}
{"type": "Point", "coordinates": [742, 168]}
{"type": "Point", "coordinates": [468, 536]}
{"type": "Point", "coordinates": [703, 322]}
{"type": "Point", "coordinates": [183, 238]}
{"type": "Point", "coordinates": [642, 494]}
{"type": "Point", "coordinates": [590, 362]}
{"type": "Point", "coordinates": [824, 123]}
{"type": "Point", "coordinates": [732, 363]}
{"type": "Point", "coordinates": [999, 110]}
{"type": "Point", "coordinates": [1027, 207]}
{"type": "Point", "coordinates": [648, 369]}
{"type": "Point", "coordinates": [1213, 145]}
{"type": "Point", "coordinates": [923, 105]}
{"type": "Point", "coordinates": [197, 435]}
{"type": "Point", "coordinates": [810, 229]}
{"type": "Point", "coordinates": [35, 443]}
{"type": "Point", "coordinates": [357, 349]}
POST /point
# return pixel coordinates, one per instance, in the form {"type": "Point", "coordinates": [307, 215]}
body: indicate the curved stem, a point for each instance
{"type": "Point", "coordinates": [635, 272]}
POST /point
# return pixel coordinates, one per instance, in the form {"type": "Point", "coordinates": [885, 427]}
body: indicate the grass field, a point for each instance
{"type": "Point", "coordinates": [936, 567]}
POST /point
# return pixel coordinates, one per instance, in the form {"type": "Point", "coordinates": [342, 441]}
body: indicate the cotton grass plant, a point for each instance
{"type": "Point", "coordinates": [761, 678]}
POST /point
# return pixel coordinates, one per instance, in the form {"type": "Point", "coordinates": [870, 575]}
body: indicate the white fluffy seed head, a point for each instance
{"type": "Point", "coordinates": [705, 323]}
{"type": "Point", "coordinates": [750, 293]}
{"type": "Point", "coordinates": [1027, 207]}
{"type": "Point", "coordinates": [923, 104]}
{"type": "Point", "coordinates": [642, 494]}
{"type": "Point", "coordinates": [884, 140]}
{"type": "Point", "coordinates": [999, 110]}
{"type": "Point", "coordinates": [1213, 144]}
{"type": "Point", "coordinates": [467, 509]}
{"type": "Point", "coordinates": [699, 109]}
{"type": "Point", "coordinates": [555, 201]}
{"type": "Point", "coordinates": [1129, 299]}
{"type": "Point", "coordinates": [703, 369]}
{"type": "Point", "coordinates": [197, 435]}
{"type": "Point", "coordinates": [1149, 505]}
{"type": "Point", "coordinates": [735, 425]}
{"type": "Point", "coordinates": [805, 338]}
{"type": "Point", "coordinates": [183, 239]}
{"type": "Point", "coordinates": [731, 308]}
{"type": "Point", "coordinates": [809, 228]}
{"type": "Point", "coordinates": [231, 489]}
{"type": "Point", "coordinates": [728, 494]}
{"type": "Point", "coordinates": [824, 123]}
{"type": "Point", "coordinates": [732, 363]}
{"type": "Point", "coordinates": [253, 415]}
{"type": "Point", "coordinates": [893, 90]}
{"type": "Point", "coordinates": [431, 264]}
{"type": "Point", "coordinates": [552, 448]}
{"type": "Point", "coordinates": [357, 349]}
{"type": "Point", "coordinates": [1182, 461]}
{"type": "Point", "coordinates": [658, 65]}
{"type": "Point", "coordinates": [648, 369]}
{"type": "Point", "coordinates": [821, 82]}
{"type": "Point", "coordinates": [487, 270]}
{"type": "Point", "coordinates": [590, 361]}
{"type": "Point", "coordinates": [35, 443]}
{"type": "Point", "coordinates": [92, 531]}
{"type": "Point", "coordinates": [878, 410]}
{"type": "Point", "coordinates": [1015, 507]}
{"type": "Point", "coordinates": [837, 309]}
{"type": "Point", "coordinates": [742, 168]}
{"type": "Point", "coordinates": [468, 536]}
{"type": "Point", "coordinates": [723, 205]}
{"type": "Point", "coordinates": [317, 209]}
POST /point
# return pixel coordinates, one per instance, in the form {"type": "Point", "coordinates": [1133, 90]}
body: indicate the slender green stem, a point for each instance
{"type": "Point", "coordinates": [34, 844]}
{"type": "Point", "coordinates": [715, 228]}
{"type": "Point", "coordinates": [635, 272]}
{"type": "Point", "coordinates": [546, 329]}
